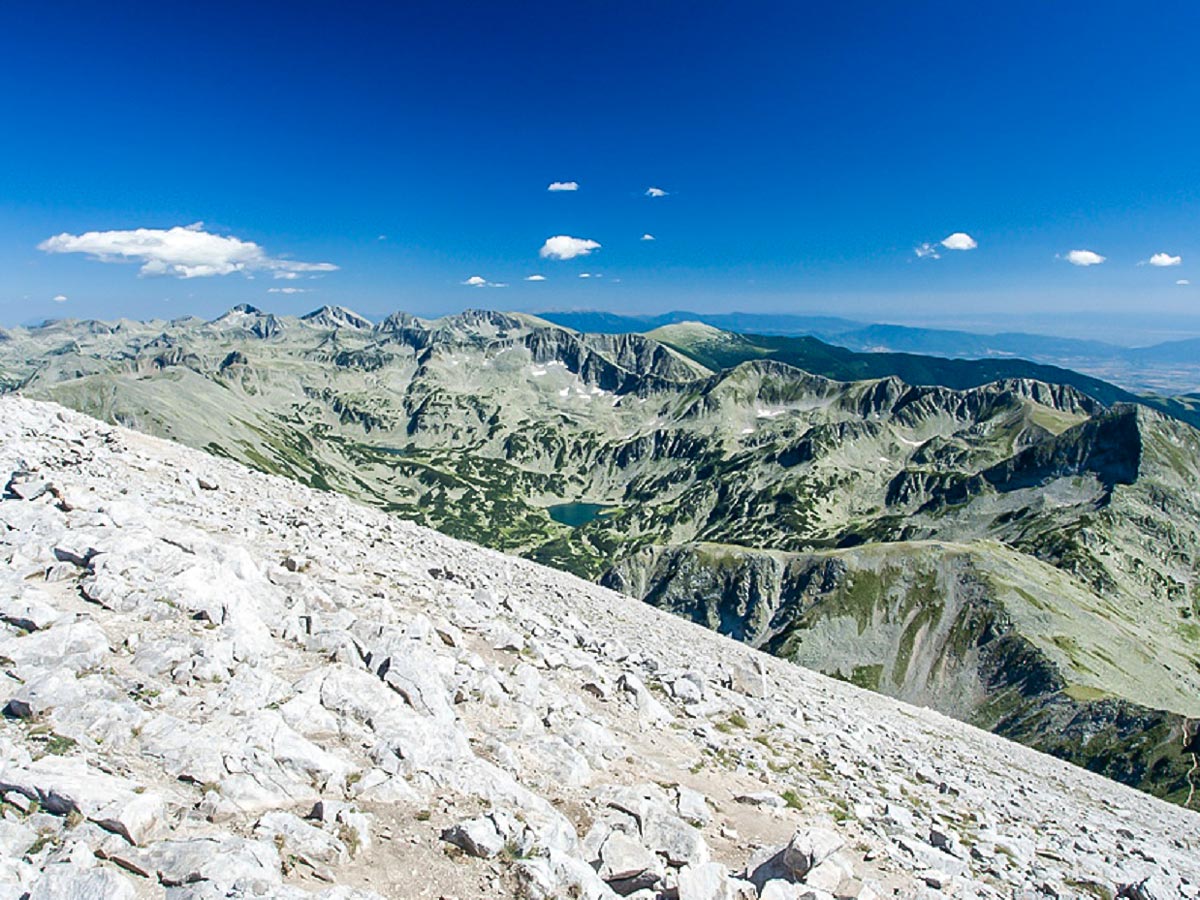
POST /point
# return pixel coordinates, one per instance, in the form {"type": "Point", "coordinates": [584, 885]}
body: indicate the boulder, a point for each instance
{"type": "Point", "coordinates": [808, 848]}
{"type": "Point", "coordinates": [651, 713]}
{"type": "Point", "coordinates": [478, 837]}
{"type": "Point", "coordinates": [68, 882]}
{"type": "Point", "coordinates": [413, 674]}
{"type": "Point", "coordinates": [29, 611]}
{"type": "Point", "coordinates": [558, 763]}
{"type": "Point", "coordinates": [301, 839]}
{"type": "Point", "coordinates": [73, 646]}
{"type": "Point", "coordinates": [762, 798]}
{"type": "Point", "coordinates": [622, 859]}
{"type": "Point", "coordinates": [221, 860]}
{"type": "Point", "coordinates": [1152, 887]}
{"type": "Point", "coordinates": [62, 785]}
{"type": "Point", "coordinates": [779, 889]}
{"type": "Point", "coordinates": [828, 875]}
{"type": "Point", "coordinates": [673, 838]}
{"type": "Point", "coordinates": [559, 875]}
{"type": "Point", "coordinates": [692, 806]}
{"type": "Point", "coordinates": [712, 881]}
{"type": "Point", "coordinates": [749, 677]}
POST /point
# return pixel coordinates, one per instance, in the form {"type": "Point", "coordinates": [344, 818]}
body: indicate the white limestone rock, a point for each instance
{"type": "Point", "coordinates": [68, 882]}
{"type": "Point", "coordinates": [712, 881]}
{"type": "Point", "coordinates": [478, 837]}
{"type": "Point", "coordinates": [63, 785]}
{"type": "Point", "coordinates": [808, 848]}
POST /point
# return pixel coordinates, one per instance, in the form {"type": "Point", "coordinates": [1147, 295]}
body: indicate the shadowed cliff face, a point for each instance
{"type": "Point", "coordinates": [1010, 553]}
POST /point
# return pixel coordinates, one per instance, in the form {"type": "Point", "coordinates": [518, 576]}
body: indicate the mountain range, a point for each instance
{"type": "Point", "coordinates": [1164, 369]}
{"type": "Point", "coordinates": [1018, 551]}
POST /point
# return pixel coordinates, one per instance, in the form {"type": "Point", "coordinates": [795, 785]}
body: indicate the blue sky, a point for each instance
{"type": "Point", "coordinates": [806, 152]}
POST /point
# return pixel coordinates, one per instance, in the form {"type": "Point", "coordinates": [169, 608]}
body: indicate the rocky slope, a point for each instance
{"type": "Point", "coordinates": [220, 683]}
{"type": "Point", "coordinates": [1018, 509]}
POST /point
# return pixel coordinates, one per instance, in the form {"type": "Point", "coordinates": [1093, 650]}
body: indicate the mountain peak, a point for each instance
{"type": "Point", "coordinates": [252, 319]}
{"type": "Point", "coordinates": [336, 317]}
{"type": "Point", "coordinates": [242, 309]}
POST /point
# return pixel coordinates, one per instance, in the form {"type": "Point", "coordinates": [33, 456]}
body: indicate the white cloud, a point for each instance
{"type": "Point", "coordinates": [535, 277]}
{"type": "Point", "coordinates": [290, 276]}
{"type": "Point", "coordinates": [648, 237]}
{"type": "Point", "coordinates": [563, 186]}
{"type": "Point", "coordinates": [182, 251]}
{"type": "Point", "coordinates": [927, 251]}
{"type": "Point", "coordinates": [1183, 281]}
{"type": "Point", "coordinates": [480, 281]}
{"type": "Point", "coordinates": [590, 275]}
{"type": "Point", "coordinates": [562, 246]}
{"type": "Point", "coordinates": [1165, 259]}
{"type": "Point", "coordinates": [960, 240]}
{"type": "Point", "coordinates": [655, 192]}
{"type": "Point", "coordinates": [382, 237]}
{"type": "Point", "coordinates": [287, 290]}
{"type": "Point", "coordinates": [1084, 258]}
{"type": "Point", "coordinates": [59, 298]}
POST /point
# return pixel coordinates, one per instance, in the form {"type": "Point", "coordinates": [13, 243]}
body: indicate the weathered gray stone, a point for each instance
{"type": "Point", "coordinates": [712, 881]}
{"type": "Point", "coordinates": [71, 645]}
{"type": "Point", "coordinates": [808, 848]}
{"type": "Point", "coordinates": [29, 611]}
{"type": "Point", "coordinates": [749, 677]}
{"type": "Point", "coordinates": [1152, 887]}
{"type": "Point", "coordinates": [297, 837]}
{"type": "Point", "coordinates": [478, 837]}
{"type": "Point", "coordinates": [673, 838]}
{"type": "Point", "coordinates": [692, 806]}
{"type": "Point", "coordinates": [762, 798]}
{"type": "Point", "coordinates": [779, 889]}
{"type": "Point", "coordinates": [220, 860]}
{"type": "Point", "coordinates": [67, 882]}
{"type": "Point", "coordinates": [623, 858]}
{"type": "Point", "coordinates": [68, 784]}
{"type": "Point", "coordinates": [827, 875]}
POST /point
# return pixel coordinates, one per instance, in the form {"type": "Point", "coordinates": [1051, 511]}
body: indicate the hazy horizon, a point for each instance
{"type": "Point", "coordinates": [1125, 330]}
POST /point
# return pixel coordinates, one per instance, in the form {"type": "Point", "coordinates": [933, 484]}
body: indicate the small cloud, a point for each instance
{"type": "Point", "coordinates": [563, 186]}
{"type": "Point", "coordinates": [655, 192]}
{"type": "Point", "coordinates": [185, 251]}
{"type": "Point", "coordinates": [287, 290]}
{"type": "Point", "coordinates": [960, 240]}
{"type": "Point", "coordinates": [288, 276]}
{"type": "Point", "coordinates": [590, 275]}
{"type": "Point", "coordinates": [480, 281]}
{"type": "Point", "coordinates": [1183, 282]}
{"type": "Point", "coordinates": [382, 237]}
{"type": "Point", "coordinates": [1084, 258]}
{"type": "Point", "coordinates": [59, 298]}
{"type": "Point", "coordinates": [535, 277]}
{"type": "Point", "coordinates": [927, 251]}
{"type": "Point", "coordinates": [1164, 259]}
{"type": "Point", "coordinates": [562, 246]}
{"type": "Point", "coordinates": [648, 237]}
